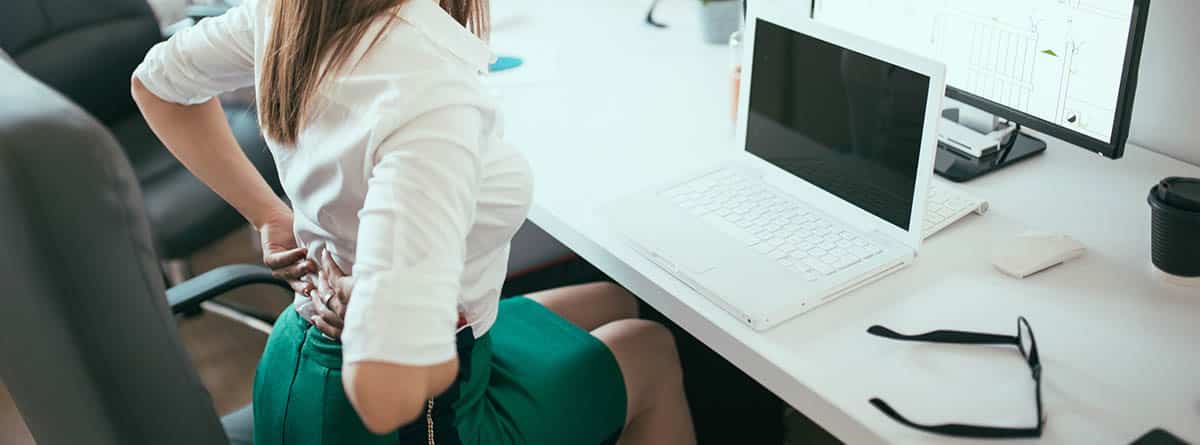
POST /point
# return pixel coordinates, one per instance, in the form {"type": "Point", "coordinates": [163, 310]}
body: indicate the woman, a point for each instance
{"type": "Point", "coordinates": [391, 155]}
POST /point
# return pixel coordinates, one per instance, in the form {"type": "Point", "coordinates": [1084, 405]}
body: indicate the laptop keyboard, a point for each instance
{"type": "Point", "coordinates": [773, 224]}
{"type": "Point", "coordinates": [947, 205]}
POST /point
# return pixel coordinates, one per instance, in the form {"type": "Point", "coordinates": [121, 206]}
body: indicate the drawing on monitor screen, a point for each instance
{"type": "Point", "coordinates": [1058, 60]}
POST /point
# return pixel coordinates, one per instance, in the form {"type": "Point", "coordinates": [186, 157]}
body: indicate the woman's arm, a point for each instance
{"type": "Point", "coordinates": [385, 405]}
{"type": "Point", "coordinates": [420, 204]}
{"type": "Point", "coordinates": [174, 88]}
{"type": "Point", "coordinates": [201, 138]}
{"type": "Point", "coordinates": [371, 392]}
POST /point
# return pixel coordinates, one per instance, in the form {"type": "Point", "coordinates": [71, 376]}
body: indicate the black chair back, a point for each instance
{"type": "Point", "coordinates": [86, 49]}
{"type": "Point", "coordinates": [89, 350]}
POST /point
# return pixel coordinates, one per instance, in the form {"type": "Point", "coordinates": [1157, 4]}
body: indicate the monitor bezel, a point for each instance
{"type": "Point", "coordinates": [1122, 117]}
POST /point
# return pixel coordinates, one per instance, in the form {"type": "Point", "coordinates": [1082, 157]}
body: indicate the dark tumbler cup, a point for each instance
{"type": "Point", "coordinates": [1175, 226]}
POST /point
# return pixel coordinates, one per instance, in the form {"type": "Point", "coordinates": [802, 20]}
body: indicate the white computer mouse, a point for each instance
{"type": "Point", "coordinates": [1033, 252]}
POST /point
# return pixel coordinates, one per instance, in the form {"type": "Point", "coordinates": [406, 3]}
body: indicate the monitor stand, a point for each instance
{"type": "Point", "coordinates": [959, 167]}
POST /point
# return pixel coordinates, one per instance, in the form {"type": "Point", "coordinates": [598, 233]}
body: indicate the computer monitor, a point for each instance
{"type": "Point", "coordinates": [1066, 68]}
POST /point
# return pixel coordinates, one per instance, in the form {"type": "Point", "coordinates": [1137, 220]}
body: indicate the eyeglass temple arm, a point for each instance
{"type": "Point", "coordinates": [957, 429]}
{"type": "Point", "coordinates": [650, 20]}
{"type": "Point", "coordinates": [945, 336]}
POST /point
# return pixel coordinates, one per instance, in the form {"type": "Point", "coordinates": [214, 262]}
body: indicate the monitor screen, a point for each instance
{"type": "Point", "coordinates": [842, 121]}
{"type": "Point", "coordinates": [1060, 62]}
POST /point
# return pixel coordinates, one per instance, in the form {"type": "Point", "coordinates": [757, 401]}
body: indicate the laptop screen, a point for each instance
{"type": "Point", "coordinates": [843, 121]}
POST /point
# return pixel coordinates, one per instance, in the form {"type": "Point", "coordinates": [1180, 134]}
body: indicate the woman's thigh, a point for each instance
{"type": "Point", "coordinates": [646, 355]}
{"type": "Point", "coordinates": [589, 306]}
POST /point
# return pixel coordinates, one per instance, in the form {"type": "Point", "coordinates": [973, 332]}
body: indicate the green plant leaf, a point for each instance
{"type": "Point", "coordinates": [1049, 52]}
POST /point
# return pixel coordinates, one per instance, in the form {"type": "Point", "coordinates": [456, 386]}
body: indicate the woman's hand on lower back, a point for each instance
{"type": "Point", "coordinates": [287, 261]}
{"type": "Point", "coordinates": [327, 305]}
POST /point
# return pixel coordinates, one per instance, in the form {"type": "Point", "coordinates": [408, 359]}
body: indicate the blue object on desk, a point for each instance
{"type": "Point", "coordinates": [505, 63]}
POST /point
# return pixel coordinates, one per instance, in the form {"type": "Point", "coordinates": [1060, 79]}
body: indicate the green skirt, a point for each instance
{"type": "Point", "coordinates": [534, 378]}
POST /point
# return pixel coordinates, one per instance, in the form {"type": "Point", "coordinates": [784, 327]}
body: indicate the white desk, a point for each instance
{"type": "Point", "coordinates": [625, 106]}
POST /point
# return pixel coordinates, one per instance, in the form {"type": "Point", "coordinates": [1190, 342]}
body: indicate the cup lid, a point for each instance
{"type": "Point", "coordinates": [1180, 193]}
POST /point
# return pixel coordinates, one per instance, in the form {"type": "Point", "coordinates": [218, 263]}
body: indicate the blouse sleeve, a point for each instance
{"type": "Point", "coordinates": [197, 63]}
{"type": "Point", "coordinates": [419, 207]}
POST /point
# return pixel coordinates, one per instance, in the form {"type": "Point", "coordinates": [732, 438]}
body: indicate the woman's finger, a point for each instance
{"type": "Point", "coordinates": [342, 289]}
{"type": "Point", "coordinates": [327, 329]}
{"type": "Point", "coordinates": [294, 271]}
{"type": "Point", "coordinates": [330, 317]}
{"type": "Point", "coordinates": [302, 287]}
{"type": "Point", "coordinates": [321, 308]}
{"type": "Point", "coordinates": [331, 274]}
{"type": "Point", "coordinates": [339, 301]}
{"type": "Point", "coordinates": [336, 304]}
{"type": "Point", "coordinates": [336, 282]}
{"type": "Point", "coordinates": [278, 260]}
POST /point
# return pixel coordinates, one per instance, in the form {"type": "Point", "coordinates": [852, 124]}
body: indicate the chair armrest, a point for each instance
{"type": "Point", "coordinates": [188, 295]}
{"type": "Point", "coordinates": [197, 12]}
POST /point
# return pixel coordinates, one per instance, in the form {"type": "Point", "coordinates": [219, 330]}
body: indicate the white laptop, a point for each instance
{"type": "Point", "coordinates": [839, 134]}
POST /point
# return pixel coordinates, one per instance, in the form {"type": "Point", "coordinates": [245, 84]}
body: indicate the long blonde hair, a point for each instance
{"type": "Point", "coordinates": [305, 32]}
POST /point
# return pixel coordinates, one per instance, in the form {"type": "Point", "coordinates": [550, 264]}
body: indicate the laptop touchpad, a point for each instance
{"type": "Point", "coordinates": [687, 245]}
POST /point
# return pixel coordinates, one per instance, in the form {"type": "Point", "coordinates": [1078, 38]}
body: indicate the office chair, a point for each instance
{"type": "Point", "coordinates": [90, 350]}
{"type": "Point", "coordinates": [87, 50]}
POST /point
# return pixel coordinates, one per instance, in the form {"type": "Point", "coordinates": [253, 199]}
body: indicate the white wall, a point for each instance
{"type": "Point", "coordinates": [1166, 110]}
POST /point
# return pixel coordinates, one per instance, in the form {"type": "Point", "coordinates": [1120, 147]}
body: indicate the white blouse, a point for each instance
{"type": "Point", "coordinates": [400, 171]}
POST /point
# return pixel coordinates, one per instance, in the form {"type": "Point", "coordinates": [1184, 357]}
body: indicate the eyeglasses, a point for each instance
{"type": "Point", "coordinates": [1024, 341]}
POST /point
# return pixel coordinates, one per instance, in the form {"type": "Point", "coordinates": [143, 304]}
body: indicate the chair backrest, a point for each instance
{"type": "Point", "coordinates": [86, 49]}
{"type": "Point", "coordinates": [90, 350]}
